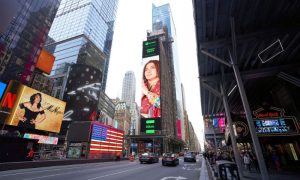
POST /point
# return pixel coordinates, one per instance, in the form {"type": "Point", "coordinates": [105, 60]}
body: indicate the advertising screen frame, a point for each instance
{"type": "Point", "coordinates": [17, 98]}
{"type": "Point", "coordinates": [154, 128]}
{"type": "Point", "coordinates": [3, 87]}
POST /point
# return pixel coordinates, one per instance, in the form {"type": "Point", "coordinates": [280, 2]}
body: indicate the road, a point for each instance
{"type": "Point", "coordinates": [117, 170]}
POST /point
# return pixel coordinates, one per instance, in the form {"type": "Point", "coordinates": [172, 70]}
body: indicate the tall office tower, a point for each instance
{"type": "Point", "coordinates": [81, 36]}
{"type": "Point", "coordinates": [23, 31]}
{"type": "Point", "coordinates": [128, 96]}
{"type": "Point", "coordinates": [162, 19]}
{"type": "Point", "coordinates": [128, 88]}
{"type": "Point", "coordinates": [82, 33]}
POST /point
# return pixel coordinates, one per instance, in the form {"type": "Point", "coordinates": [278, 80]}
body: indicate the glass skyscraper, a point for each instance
{"type": "Point", "coordinates": [162, 19]}
{"type": "Point", "coordinates": [82, 33]}
{"type": "Point", "coordinates": [80, 39]}
{"type": "Point", "coordinates": [24, 27]}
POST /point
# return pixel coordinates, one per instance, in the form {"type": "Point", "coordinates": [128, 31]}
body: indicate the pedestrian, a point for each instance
{"type": "Point", "coordinates": [255, 164]}
{"type": "Point", "coordinates": [247, 161]}
{"type": "Point", "coordinates": [275, 160]}
{"type": "Point", "coordinates": [29, 156]}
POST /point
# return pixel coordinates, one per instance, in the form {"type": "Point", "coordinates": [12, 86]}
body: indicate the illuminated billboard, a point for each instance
{"type": "Point", "coordinates": [28, 108]}
{"type": "Point", "coordinates": [105, 140]}
{"type": "Point", "coordinates": [82, 92]}
{"type": "Point", "coordinates": [45, 61]}
{"type": "Point", "coordinates": [42, 139]}
{"type": "Point", "coordinates": [178, 127]}
{"type": "Point", "coordinates": [150, 99]}
{"type": "Point", "coordinates": [216, 121]}
{"type": "Point", "coordinates": [150, 48]}
{"type": "Point", "coordinates": [150, 125]}
{"type": "Point", "coordinates": [273, 122]}
{"type": "Point", "coordinates": [2, 89]}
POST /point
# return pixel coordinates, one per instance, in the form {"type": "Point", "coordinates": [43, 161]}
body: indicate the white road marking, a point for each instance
{"type": "Point", "coordinates": [172, 177]}
{"type": "Point", "coordinates": [62, 168]}
{"type": "Point", "coordinates": [115, 173]}
{"type": "Point", "coordinates": [40, 177]}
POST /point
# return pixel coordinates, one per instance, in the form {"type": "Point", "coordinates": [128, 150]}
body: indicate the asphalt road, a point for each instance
{"type": "Point", "coordinates": [117, 170]}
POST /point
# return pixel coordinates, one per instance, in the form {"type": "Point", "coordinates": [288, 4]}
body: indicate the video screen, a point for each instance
{"type": "Point", "coordinates": [150, 98]}
{"type": "Point", "coordinates": [2, 89]}
{"type": "Point", "coordinates": [32, 109]}
{"type": "Point", "coordinates": [266, 123]}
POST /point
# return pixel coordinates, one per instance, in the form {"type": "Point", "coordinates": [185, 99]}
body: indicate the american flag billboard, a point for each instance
{"type": "Point", "coordinates": [105, 141]}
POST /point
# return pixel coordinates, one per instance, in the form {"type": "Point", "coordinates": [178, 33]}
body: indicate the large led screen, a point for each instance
{"type": "Point", "coordinates": [2, 89]}
{"type": "Point", "coordinates": [82, 92]}
{"type": "Point", "coordinates": [45, 61]}
{"type": "Point", "coordinates": [150, 125]}
{"type": "Point", "coordinates": [105, 140]}
{"type": "Point", "coordinates": [31, 109]}
{"type": "Point", "coordinates": [150, 98]}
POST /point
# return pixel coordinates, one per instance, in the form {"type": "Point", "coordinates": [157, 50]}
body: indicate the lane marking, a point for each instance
{"type": "Point", "coordinates": [115, 173]}
{"type": "Point", "coordinates": [62, 168]}
{"type": "Point", "coordinates": [40, 177]}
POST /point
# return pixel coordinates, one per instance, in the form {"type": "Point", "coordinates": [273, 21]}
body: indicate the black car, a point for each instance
{"type": "Point", "coordinates": [189, 157]}
{"type": "Point", "coordinates": [170, 159]}
{"type": "Point", "coordinates": [149, 158]}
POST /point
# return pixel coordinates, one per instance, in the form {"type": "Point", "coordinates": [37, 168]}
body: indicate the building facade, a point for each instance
{"type": "Point", "coordinates": [128, 96]}
{"type": "Point", "coordinates": [23, 31]}
{"type": "Point", "coordinates": [83, 32]}
{"type": "Point", "coordinates": [162, 19]}
{"type": "Point", "coordinates": [128, 88]}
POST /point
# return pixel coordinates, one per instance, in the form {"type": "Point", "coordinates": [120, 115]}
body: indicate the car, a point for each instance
{"type": "Point", "coordinates": [170, 158]}
{"type": "Point", "coordinates": [149, 158]}
{"type": "Point", "coordinates": [189, 157]}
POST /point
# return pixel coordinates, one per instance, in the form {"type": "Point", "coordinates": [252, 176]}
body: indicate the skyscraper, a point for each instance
{"type": "Point", "coordinates": [81, 37]}
{"type": "Point", "coordinates": [128, 88]}
{"type": "Point", "coordinates": [162, 19]}
{"type": "Point", "coordinates": [82, 32]}
{"type": "Point", "coordinates": [23, 31]}
{"type": "Point", "coordinates": [128, 96]}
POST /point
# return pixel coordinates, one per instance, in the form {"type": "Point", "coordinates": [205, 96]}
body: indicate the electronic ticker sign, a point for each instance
{"type": "Point", "coordinates": [150, 125]}
{"type": "Point", "coordinates": [150, 48]}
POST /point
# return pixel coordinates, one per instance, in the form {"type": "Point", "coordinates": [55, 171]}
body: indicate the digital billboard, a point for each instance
{"type": "Point", "coordinates": [105, 140]}
{"type": "Point", "coordinates": [276, 126]}
{"type": "Point", "coordinates": [45, 61]}
{"type": "Point", "coordinates": [272, 121]}
{"type": "Point", "coordinates": [82, 92]}
{"type": "Point", "coordinates": [150, 48]}
{"type": "Point", "coordinates": [216, 121]}
{"type": "Point", "coordinates": [150, 125]}
{"type": "Point", "coordinates": [2, 89]}
{"type": "Point", "coordinates": [178, 127]}
{"type": "Point", "coordinates": [42, 139]}
{"type": "Point", "coordinates": [150, 100]}
{"type": "Point", "coordinates": [28, 108]}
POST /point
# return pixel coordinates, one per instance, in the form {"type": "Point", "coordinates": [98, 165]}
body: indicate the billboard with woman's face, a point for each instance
{"type": "Point", "coordinates": [30, 109]}
{"type": "Point", "coordinates": [150, 99]}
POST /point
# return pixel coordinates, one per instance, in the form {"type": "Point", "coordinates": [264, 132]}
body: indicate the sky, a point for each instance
{"type": "Point", "coordinates": [134, 18]}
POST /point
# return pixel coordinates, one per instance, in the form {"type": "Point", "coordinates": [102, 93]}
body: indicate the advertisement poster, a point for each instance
{"type": "Point", "coordinates": [29, 108]}
{"type": "Point", "coordinates": [82, 92]}
{"type": "Point", "coordinates": [150, 100]}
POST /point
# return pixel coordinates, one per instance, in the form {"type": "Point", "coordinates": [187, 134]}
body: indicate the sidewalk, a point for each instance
{"type": "Point", "coordinates": [207, 173]}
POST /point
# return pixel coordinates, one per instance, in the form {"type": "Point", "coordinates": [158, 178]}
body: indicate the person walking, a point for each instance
{"type": "Point", "coordinates": [247, 161]}
{"type": "Point", "coordinates": [29, 156]}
